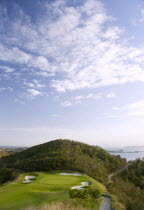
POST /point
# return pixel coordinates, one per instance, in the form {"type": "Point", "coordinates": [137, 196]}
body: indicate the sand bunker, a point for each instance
{"type": "Point", "coordinates": [27, 179]}
{"type": "Point", "coordinates": [83, 184]}
{"type": "Point", "coordinates": [73, 174]}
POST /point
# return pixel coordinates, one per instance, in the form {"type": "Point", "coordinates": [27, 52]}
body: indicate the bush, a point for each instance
{"type": "Point", "coordinates": [85, 193]}
{"type": "Point", "coordinates": [7, 175]}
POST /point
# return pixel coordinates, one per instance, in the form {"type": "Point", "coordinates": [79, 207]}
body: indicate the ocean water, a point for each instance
{"type": "Point", "coordinates": [129, 155]}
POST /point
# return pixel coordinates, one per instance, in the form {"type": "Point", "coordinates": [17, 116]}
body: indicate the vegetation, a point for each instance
{"type": "Point", "coordinates": [128, 186]}
{"type": "Point", "coordinates": [74, 156]}
{"type": "Point", "coordinates": [72, 204]}
{"type": "Point", "coordinates": [3, 152]}
{"type": "Point", "coordinates": [47, 188]}
{"type": "Point", "coordinates": [135, 173]}
{"type": "Point", "coordinates": [7, 175]}
{"type": "Point", "coordinates": [65, 154]}
{"type": "Point", "coordinates": [85, 193]}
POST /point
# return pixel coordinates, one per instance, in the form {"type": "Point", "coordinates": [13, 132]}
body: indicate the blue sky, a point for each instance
{"type": "Point", "coordinates": [72, 69]}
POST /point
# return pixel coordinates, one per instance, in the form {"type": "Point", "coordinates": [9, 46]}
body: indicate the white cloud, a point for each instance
{"type": "Point", "coordinates": [45, 74]}
{"type": "Point", "coordinates": [113, 33]}
{"type": "Point", "coordinates": [33, 93]}
{"type": "Point", "coordinates": [136, 109]}
{"type": "Point", "coordinates": [78, 98]}
{"type": "Point", "coordinates": [56, 115]}
{"type": "Point", "coordinates": [19, 101]}
{"type": "Point", "coordinates": [34, 84]}
{"type": "Point", "coordinates": [7, 69]}
{"type": "Point", "coordinates": [95, 96]}
{"type": "Point", "coordinates": [111, 95]}
{"type": "Point", "coordinates": [66, 103]}
{"type": "Point", "coordinates": [74, 45]}
{"type": "Point", "coordinates": [13, 54]}
{"type": "Point", "coordinates": [89, 96]}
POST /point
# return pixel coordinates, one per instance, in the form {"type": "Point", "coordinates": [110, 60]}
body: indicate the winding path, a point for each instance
{"type": "Point", "coordinates": [110, 176]}
{"type": "Point", "coordinates": [106, 204]}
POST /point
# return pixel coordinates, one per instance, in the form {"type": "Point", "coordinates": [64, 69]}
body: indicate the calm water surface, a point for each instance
{"type": "Point", "coordinates": [129, 156]}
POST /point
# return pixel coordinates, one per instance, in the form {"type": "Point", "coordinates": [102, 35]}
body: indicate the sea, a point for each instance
{"type": "Point", "coordinates": [129, 155]}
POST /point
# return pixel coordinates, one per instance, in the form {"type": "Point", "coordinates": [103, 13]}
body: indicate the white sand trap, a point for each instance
{"type": "Point", "coordinates": [83, 184]}
{"type": "Point", "coordinates": [69, 174]}
{"type": "Point", "coordinates": [27, 179]}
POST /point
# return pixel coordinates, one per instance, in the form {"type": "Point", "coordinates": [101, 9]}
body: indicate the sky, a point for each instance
{"type": "Point", "coordinates": [72, 70]}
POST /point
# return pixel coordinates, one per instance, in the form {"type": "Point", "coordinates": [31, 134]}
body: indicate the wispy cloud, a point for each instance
{"type": "Point", "coordinates": [32, 93]}
{"type": "Point", "coordinates": [6, 89]}
{"type": "Point", "coordinates": [79, 98]}
{"type": "Point", "coordinates": [136, 109]}
{"type": "Point", "coordinates": [19, 101]}
{"type": "Point", "coordinates": [73, 45]}
{"type": "Point", "coordinates": [133, 109]}
{"type": "Point", "coordinates": [34, 84]}
{"type": "Point", "coordinates": [94, 96]}
{"type": "Point", "coordinates": [66, 103]}
{"type": "Point", "coordinates": [56, 116]}
{"type": "Point", "coordinates": [89, 96]}
{"type": "Point", "coordinates": [7, 69]}
{"type": "Point", "coordinates": [111, 95]}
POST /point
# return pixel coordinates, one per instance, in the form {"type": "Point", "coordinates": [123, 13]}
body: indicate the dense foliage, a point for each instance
{"type": "Point", "coordinates": [135, 173]}
{"type": "Point", "coordinates": [7, 175]}
{"type": "Point", "coordinates": [85, 193]}
{"type": "Point", "coordinates": [128, 186]}
{"type": "Point", "coordinates": [65, 154]}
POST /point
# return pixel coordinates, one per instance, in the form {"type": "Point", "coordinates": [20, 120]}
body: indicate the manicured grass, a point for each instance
{"type": "Point", "coordinates": [47, 187]}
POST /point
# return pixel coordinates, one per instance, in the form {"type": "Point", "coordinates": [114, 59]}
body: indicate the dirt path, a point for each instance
{"type": "Point", "coordinates": [110, 176]}
{"type": "Point", "coordinates": [106, 204]}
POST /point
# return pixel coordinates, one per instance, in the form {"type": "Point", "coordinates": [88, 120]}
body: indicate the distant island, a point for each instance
{"type": "Point", "coordinates": [121, 151]}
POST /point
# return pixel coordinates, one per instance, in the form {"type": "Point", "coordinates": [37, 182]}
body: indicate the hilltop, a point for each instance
{"type": "Point", "coordinates": [65, 155]}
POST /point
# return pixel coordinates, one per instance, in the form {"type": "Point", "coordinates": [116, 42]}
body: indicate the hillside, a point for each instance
{"type": "Point", "coordinates": [65, 155]}
{"type": "Point", "coordinates": [3, 152]}
{"type": "Point", "coordinates": [10, 150]}
{"type": "Point", "coordinates": [128, 186]}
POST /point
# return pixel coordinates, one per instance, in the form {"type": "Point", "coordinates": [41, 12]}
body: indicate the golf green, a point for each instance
{"type": "Point", "coordinates": [46, 187]}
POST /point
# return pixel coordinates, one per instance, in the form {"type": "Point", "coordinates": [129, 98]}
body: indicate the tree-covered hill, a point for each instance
{"type": "Point", "coordinates": [65, 155]}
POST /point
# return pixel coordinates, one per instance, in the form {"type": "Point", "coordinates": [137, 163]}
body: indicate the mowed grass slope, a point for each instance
{"type": "Point", "coordinates": [47, 187]}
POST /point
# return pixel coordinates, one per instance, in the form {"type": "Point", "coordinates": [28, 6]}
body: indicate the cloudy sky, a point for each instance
{"type": "Point", "coordinates": [72, 69]}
